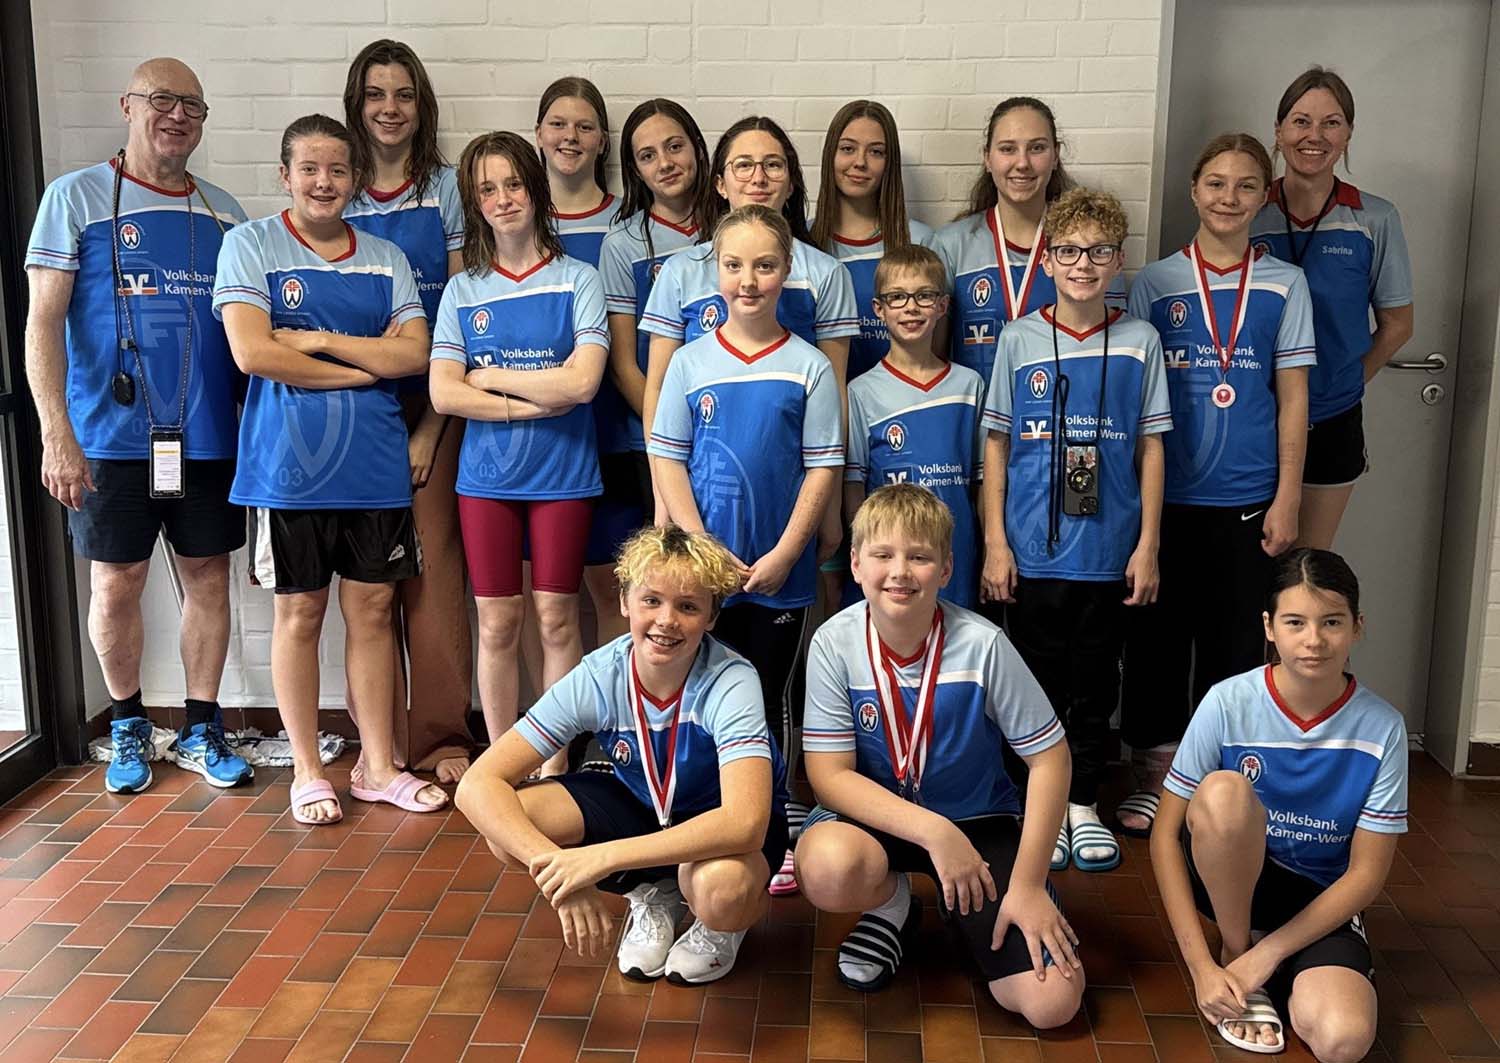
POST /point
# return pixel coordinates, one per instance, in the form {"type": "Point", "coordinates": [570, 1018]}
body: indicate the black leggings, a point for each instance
{"type": "Point", "coordinates": [772, 641]}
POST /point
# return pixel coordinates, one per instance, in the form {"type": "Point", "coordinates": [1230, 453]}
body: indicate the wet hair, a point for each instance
{"type": "Point", "coordinates": [895, 230]}
{"type": "Point", "coordinates": [906, 509]}
{"type": "Point", "coordinates": [1078, 207]}
{"type": "Point", "coordinates": [1320, 570]}
{"type": "Point", "coordinates": [637, 197]}
{"type": "Point", "coordinates": [479, 238]}
{"type": "Point", "coordinates": [757, 214]}
{"type": "Point", "coordinates": [426, 158]}
{"type": "Point", "coordinates": [913, 258]}
{"type": "Point", "coordinates": [795, 207]}
{"type": "Point", "coordinates": [317, 125]}
{"type": "Point", "coordinates": [588, 92]}
{"type": "Point", "coordinates": [693, 557]}
{"type": "Point", "coordinates": [1244, 143]}
{"type": "Point", "coordinates": [984, 195]}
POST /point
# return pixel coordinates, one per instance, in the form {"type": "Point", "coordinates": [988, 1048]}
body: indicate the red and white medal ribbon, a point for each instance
{"type": "Point", "coordinates": [906, 742]}
{"type": "Point", "coordinates": [661, 781]}
{"type": "Point", "coordinates": [1015, 300]}
{"type": "Point", "coordinates": [1225, 351]}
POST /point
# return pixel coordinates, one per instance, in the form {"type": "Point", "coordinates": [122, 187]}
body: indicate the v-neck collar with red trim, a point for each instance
{"type": "Point", "coordinates": [517, 277]}
{"type": "Point", "coordinates": [1112, 316]}
{"type": "Point", "coordinates": [174, 193]}
{"type": "Point", "coordinates": [900, 661]}
{"type": "Point", "coordinates": [690, 230]}
{"type": "Point", "coordinates": [1010, 245]}
{"type": "Point", "coordinates": [1227, 270]}
{"type": "Point", "coordinates": [661, 704]}
{"type": "Point", "coordinates": [899, 375]}
{"type": "Point", "coordinates": [1307, 725]}
{"type": "Point", "coordinates": [848, 241]}
{"type": "Point", "coordinates": [286, 219]}
{"type": "Point", "coordinates": [1345, 195]}
{"type": "Point", "coordinates": [609, 197]}
{"type": "Point", "coordinates": [386, 197]}
{"type": "Point", "coordinates": [749, 359]}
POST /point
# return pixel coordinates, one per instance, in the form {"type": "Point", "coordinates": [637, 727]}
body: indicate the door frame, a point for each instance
{"type": "Point", "coordinates": [46, 602]}
{"type": "Point", "coordinates": [1469, 516]}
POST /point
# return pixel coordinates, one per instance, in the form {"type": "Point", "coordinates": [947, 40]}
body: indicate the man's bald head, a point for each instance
{"type": "Point", "coordinates": [159, 142]}
{"type": "Point", "coordinates": [165, 74]}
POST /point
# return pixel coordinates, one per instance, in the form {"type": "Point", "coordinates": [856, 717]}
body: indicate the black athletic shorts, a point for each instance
{"type": "Point", "coordinates": [996, 839]}
{"type": "Point", "coordinates": [119, 521]}
{"type": "Point", "coordinates": [1336, 454]}
{"type": "Point", "coordinates": [298, 550]}
{"type": "Point", "coordinates": [620, 511]}
{"type": "Point", "coordinates": [1280, 895]}
{"type": "Point", "coordinates": [611, 811]}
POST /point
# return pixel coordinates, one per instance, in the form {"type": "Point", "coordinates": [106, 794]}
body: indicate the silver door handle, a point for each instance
{"type": "Point", "coordinates": [1435, 362]}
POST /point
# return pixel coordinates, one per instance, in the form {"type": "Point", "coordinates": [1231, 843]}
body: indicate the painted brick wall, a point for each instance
{"type": "Point", "coordinates": [941, 65]}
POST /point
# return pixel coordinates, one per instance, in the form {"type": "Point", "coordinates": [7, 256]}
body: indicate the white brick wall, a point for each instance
{"type": "Point", "coordinates": [12, 703]}
{"type": "Point", "coordinates": [1487, 711]}
{"type": "Point", "coordinates": [941, 65]}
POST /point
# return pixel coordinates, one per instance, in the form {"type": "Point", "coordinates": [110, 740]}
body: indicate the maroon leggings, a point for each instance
{"type": "Point", "coordinates": [494, 530]}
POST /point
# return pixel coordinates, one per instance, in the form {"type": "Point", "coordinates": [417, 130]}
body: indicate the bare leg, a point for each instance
{"type": "Point", "coordinates": [1333, 1010]}
{"type": "Point", "coordinates": [205, 623]}
{"type": "Point", "coordinates": [562, 649]}
{"type": "Point", "coordinates": [116, 627]}
{"type": "Point", "coordinates": [842, 869]}
{"type": "Point", "coordinates": [499, 639]}
{"type": "Point", "coordinates": [727, 893]}
{"type": "Point", "coordinates": [609, 624]}
{"type": "Point", "coordinates": [1322, 510]}
{"type": "Point", "coordinates": [295, 631]}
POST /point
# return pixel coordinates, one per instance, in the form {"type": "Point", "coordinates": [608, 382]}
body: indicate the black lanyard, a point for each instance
{"type": "Point", "coordinates": [1060, 426]}
{"type": "Point", "coordinates": [1312, 234]}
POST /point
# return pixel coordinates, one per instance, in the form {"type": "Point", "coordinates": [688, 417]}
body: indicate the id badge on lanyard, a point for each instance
{"type": "Point", "coordinates": [166, 463]}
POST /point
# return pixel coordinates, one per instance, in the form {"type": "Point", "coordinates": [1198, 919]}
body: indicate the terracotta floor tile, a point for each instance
{"type": "Point", "coordinates": [17, 841]}
{"type": "Point", "coordinates": [148, 1048]}
{"type": "Point", "coordinates": [182, 1007]}
{"type": "Point", "coordinates": [257, 982]}
{"type": "Point", "coordinates": [262, 1050]}
{"type": "Point", "coordinates": [291, 1008]}
{"type": "Point", "coordinates": [265, 908]}
{"type": "Point", "coordinates": [165, 828]}
{"type": "Point", "coordinates": [422, 890]}
{"type": "Point", "coordinates": [415, 833]}
{"type": "Point", "coordinates": [492, 937]}
{"type": "Point", "coordinates": [1118, 1053]}
{"type": "Point", "coordinates": [950, 1034]}
{"type": "Point", "coordinates": [293, 933]}
{"type": "Point", "coordinates": [107, 921]}
{"type": "Point", "coordinates": [513, 893]}
{"type": "Point", "coordinates": [270, 849]}
{"type": "Point", "coordinates": [1013, 1050]}
{"type": "Point", "coordinates": [223, 811]}
{"type": "Point", "coordinates": [448, 852]}
{"type": "Point", "coordinates": [146, 884]}
{"type": "Point", "coordinates": [616, 1023]}
{"type": "Point", "coordinates": [671, 1003]}
{"type": "Point", "coordinates": [893, 1047]}
{"type": "Point", "coordinates": [1179, 1039]}
{"type": "Point", "coordinates": [900, 1007]}
{"type": "Point", "coordinates": [197, 930]}
{"type": "Point", "coordinates": [443, 1038]}
{"type": "Point", "coordinates": [171, 905]}
{"type": "Point", "coordinates": [239, 884]}
{"type": "Point", "coordinates": [375, 1052]}
{"type": "Point", "coordinates": [428, 962]}
{"type": "Point", "coordinates": [121, 864]}
{"type": "Point", "coordinates": [394, 934]}
{"type": "Point", "coordinates": [49, 874]}
{"type": "Point", "coordinates": [128, 950]}
{"type": "Point", "coordinates": [400, 1013]}
{"type": "Point", "coordinates": [217, 1035]}
{"type": "Point", "coordinates": [328, 1037]}
{"type": "Point", "coordinates": [727, 1026]}
{"type": "Point", "coordinates": [837, 1031]}
{"type": "Point", "coordinates": [554, 1040]}
{"type": "Point", "coordinates": [226, 955]}
{"type": "Point", "coordinates": [468, 988]}
{"type": "Point", "coordinates": [327, 889]}
{"type": "Point", "coordinates": [61, 809]}
{"type": "Point", "coordinates": [37, 1046]}
{"type": "Point", "coordinates": [667, 1042]}
{"type": "Point", "coordinates": [77, 904]}
{"type": "Point", "coordinates": [784, 999]}
{"type": "Point", "coordinates": [327, 957]}
{"type": "Point", "coordinates": [572, 991]}
{"type": "Point", "coordinates": [478, 873]}
{"type": "Point", "coordinates": [59, 967]}
{"type": "Point", "coordinates": [299, 868]}
{"type": "Point", "coordinates": [76, 1004]}
{"type": "Point", "coordinates": [508, 1018]}
{"type": "Point", "coordinates": [362, 984]}
{"type": "Point", "coordinates": [531, 964]}
{"type": "Point", "coordinates": [140, 809]}
{"type": "Point", "coordinates": [1069, 1043]}
{"type": "Point", "coordinates": [108, 1030]}
{"type": "Point", "coordinates": [455, 914]}
{"type": "Point", "coordinates": [1114, 1015]}
{"type": "Point", "coordinates": [477, 1053]}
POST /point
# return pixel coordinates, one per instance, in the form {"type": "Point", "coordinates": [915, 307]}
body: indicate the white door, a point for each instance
{"type": "Point", "coordinates": [1416, 71]}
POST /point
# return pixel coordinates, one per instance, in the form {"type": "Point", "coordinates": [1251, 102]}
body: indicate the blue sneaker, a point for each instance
{"type": "Point", "coordinates": [130, 771]}
{"type": "Point", "coordinates": [202, 748]}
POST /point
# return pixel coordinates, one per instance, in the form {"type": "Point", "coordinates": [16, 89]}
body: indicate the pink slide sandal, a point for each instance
{"type": "Point", "coordinates": [402, 792]}
{"type": "Point", "coordinates": [310, 794]}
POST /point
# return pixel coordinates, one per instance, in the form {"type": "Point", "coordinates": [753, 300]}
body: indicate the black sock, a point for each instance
{"type": "Point", "coordinates": [129, 708]}
{"type": "Point", "coordinates": [200, 712]}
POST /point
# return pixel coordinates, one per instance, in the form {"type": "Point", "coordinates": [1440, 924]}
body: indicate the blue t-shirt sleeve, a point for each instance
{"type": "Point", "coordinates": [837, 315]}
{"type": "Point", "coordinates": [663, 313]}
{"type": "Point", "coordinates": [942, 245]}
{"type": "Point", "coordinates": [857, 453]}
{"type": "Point", "coordinates": [1016, 702]}
{"type": "Point", "coordinates": [997, 396]}
{"type": "Point", "coordinates": [619, 277]}
{"type": "Point", "coordinates": [1384, 810]}
{"type": "Point", "coordinates": [241, 275]}
{"type": "Point", "coordinates": [447, 333]}
{"type": "Point", "coordinates": [822, 430]}
{"type": "Point", "coordinates": [1200, 750]}
{"type": "Point", "coordinates": [1391, 268]}
{"type": "Point", "coordinates": [57, 232]}
{"type": "Point", "coordinates": [1156, 407]}
{"type": "Point", "coordinates": [588, 309]}
{"type": "Point", "coordinates": [1296, 344]}
{"type": "Point", "coordinates": [828, 721]}
{"type": "Point", "coordinates": [570, 707]}
{"type": "Point", "coordinates": [1138, 303]}
{"type": "Point", "coordinates": [451, 209]}
{"type": "Point", "coordinates": [735, 716]}
{"type": "Point", "coordinates": [672, 432]}
{"type": "Point", "coordinates": [1115, 296]}
{"type": "Point", "coordinates": [406, 302]}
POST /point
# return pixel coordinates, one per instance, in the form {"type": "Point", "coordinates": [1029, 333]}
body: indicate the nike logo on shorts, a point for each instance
{"type": "Point", "coordinates": [1251, 515]}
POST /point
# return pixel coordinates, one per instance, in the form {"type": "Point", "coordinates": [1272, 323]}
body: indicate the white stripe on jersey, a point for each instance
{"type": "Point", "coordinates": [790, 378]}
{"type": "Point", "coordinates": [405, 204]}
{"type": "Point", "coordinates": [1138, 353]}
{"type": "Point", "coordinates": [373, 269]}
{"type": "Point", "coordinates": [1374, 749]}
{"type": "Point", "coordinates": [946, 400]}
{"type": "Point", "coordinates": [540, 289]}
{"type": "Point", "coordinates": [1226, 286]}
{"type": "Point", "coordinates": [963, 675]}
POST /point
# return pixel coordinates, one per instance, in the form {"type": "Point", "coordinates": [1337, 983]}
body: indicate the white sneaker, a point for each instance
{"type": "Point", "coordinates": [650, 926]}
{"type": "Point", "coordinates": [703, 955]}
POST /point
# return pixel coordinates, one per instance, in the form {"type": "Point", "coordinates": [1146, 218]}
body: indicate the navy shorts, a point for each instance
{"type": "Point", "coordinates": [611, 811]}
{"type": "Point", "coordinates": [1336, 454]}
{"type": "Point", "coordinates": [119, 521]}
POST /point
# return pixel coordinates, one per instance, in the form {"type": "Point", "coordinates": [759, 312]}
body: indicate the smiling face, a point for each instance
{"type": "Point", "coordinates": [1021, 155]}
{"type": "Point", "coordinates": [900, 575]}
{"type": "Point", "coordinates": [319, 178]}
{"type": "Point", "coordinates": [1084, 280]}
{"type": "Point", "coordinates": [669, 616]}
{"type": "Point", "coordinates": [664, 157]}
{"type": "Point", "coordinates": [752, 269]}
{"type": "Point", "coordinates": [503, 200]}
{"type": "Point", "coordinates": [1314, 135]}
{"type": "Point", "coordinates": [911, 324]}
{"type": "Point", "coordinates": [1228, 192]}
{"type": "Point", "coordinates": [859, 159]}
{"type": "Point", "coordinates": [390, 107]}
{"type": "Point", "coordinates": [153, 135]}
{"type": "Point", "coordinates": [570, 137]}
{"type": "Point", "coordinates": [757, 147]}
{"type": "Point", "coordinates": [1313, 631]}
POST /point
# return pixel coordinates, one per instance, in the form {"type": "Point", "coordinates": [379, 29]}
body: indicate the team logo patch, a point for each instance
{"type": "Point", "coordinates": [708, 405]}
{"type": "Point", "coordinates": [708, 318]}
{"type": "Point", "coordinates": [130, 235]}
{"type": "Point", "coordinates": [901, 475]}
{"type": "Point", "coordinates": [292, 292]}
{"type": "Point", "coordinates": [480, 321]}
{"type": "Point", "coordinates": [141, 282]}
{"type": "Point", "coordinates": [1177, 313]}
{"type": "Point", "coordinates": [1251, 767]}
{"type": "Point", "coordinates": [621, 752]}
{"type": "Point", "coordinates": [1038, 382]}
{"type": "Point", "coordinates": [1262, 248]}
{"type": "Point", "coordinates": [868, 716]}
{"type": "Point", "coordinates": [895, 435]}
{"type": "Point", "coordinates": [981, 290]}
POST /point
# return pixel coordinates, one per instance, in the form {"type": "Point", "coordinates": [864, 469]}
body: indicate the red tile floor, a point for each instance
{"type": "Point", "coordinates": [200, 925]}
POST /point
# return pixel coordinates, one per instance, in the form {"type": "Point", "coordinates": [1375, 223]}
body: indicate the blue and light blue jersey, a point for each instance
{"type": "Point", "coordinates": [747, 426]}
{"type": "Point", "coordinates": [528, 322]}
{"type": "Point", "coordinates": [722, 719]}
{"type": "Point", "coordinates": [1318, 779]}
{"type": "Point", "coordinates": [929, 434]}
{"type": "Point", "coordinates": [985, 695]}
{"type": "Point", "coordinates": [860, 257]}
{"type": "Point", "coordinates": [582, 234]}
{"type": "Point", "coordinates": [816, 302]}
{"type": "Point", "coordinates": [425, 227]}
{"type": "Point", "coordinates": [308, 448]}
{"type": "Point", "coordinates": [629, 269]}
{"type": "Point", "coordinates": [1025, 403]}
{"type": "Point", "coordinates": [160, 286]}
{"type": "Point", "coordinates": [1225, 456]}
{"type": "Point", "coordinates": [1355, 260]}
{"type": "Point", "coordinates": [970, 250]}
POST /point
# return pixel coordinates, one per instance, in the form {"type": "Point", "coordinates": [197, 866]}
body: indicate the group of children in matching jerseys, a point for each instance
{"type": "Point", "coordinates": [767, 409]}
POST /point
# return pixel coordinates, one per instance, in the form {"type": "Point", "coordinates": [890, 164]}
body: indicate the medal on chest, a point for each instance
{"type": "Point", "coordinates": [906, 741]}
{"type": "Point", "coordinates": [1223, 393]}
{"type": "Point", "coordinates": [661, 778]}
